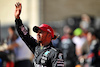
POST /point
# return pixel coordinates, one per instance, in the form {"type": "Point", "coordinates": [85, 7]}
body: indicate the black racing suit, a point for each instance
{"type": "Point", "coordinates": [46, 56]}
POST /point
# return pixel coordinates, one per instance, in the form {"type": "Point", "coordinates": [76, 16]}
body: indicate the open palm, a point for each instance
{"type": "Point", "coordinates": [17, 10]}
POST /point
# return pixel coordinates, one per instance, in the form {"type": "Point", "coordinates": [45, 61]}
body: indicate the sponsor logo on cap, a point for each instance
{"type": "Point", "coordinates": [49, 30]}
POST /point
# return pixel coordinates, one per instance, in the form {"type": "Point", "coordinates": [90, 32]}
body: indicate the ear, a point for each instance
{"type": "Point", "coordinates": [49, 35]}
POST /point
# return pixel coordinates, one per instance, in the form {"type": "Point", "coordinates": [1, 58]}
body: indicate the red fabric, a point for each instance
{"type": "Point", "coordinates": [9, 64]}
{"type": "Point", "coordinates": [91, 55]}
{"type": "Point", "coordinates": [64, 37]}
{"type": "Point", "coordinates": [99, 53]}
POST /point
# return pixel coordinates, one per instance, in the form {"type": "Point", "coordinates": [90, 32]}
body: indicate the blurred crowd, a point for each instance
{"type": "Point", "coordinates": [80, 45]}
{"type": "Point", "coordinates": [14, 52]}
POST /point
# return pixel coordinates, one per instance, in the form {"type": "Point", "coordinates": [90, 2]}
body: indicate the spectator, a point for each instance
{"type": "Point", "coordinates": [56, 42]}
{"type": "Point", "coordinates": [68, 48]}
{"type": "Point", "coordinates": [22, 53]}
{"type": "Point", "coordinates": [66, 30]}
{"type": "Point", "coordinates": [94, 55]}
{"type": "Point", "coordinates": [86, 22]}
{"type": "Point", "coordinates": [79, 40]}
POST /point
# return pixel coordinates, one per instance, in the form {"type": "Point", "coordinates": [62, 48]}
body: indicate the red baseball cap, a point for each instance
{"type": "Point", "coordinates": [44, 27]}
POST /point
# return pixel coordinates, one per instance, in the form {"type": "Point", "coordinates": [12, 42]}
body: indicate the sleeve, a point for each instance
{"type": "Point", "coordinates": [93, 54]}
{"type": "Point", "coordinates": [57, 60]}
{"type": "Point", "coordinates": [24, 34]}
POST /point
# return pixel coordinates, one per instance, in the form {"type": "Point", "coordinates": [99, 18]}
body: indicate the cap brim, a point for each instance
{"type": "Point", "coordinates": [36, 28]}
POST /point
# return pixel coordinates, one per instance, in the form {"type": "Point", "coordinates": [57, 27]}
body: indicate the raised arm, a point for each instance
{"type": "Point", "coordinates": [24, 34]}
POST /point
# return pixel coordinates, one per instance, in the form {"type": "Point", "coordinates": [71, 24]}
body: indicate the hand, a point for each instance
{"type": "Point", "coordinates": [3, 47]}
{"type": "Point", "coordinates": [18, 10]}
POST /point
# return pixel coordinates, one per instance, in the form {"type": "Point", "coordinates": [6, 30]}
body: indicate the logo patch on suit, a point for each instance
{"type": "Point", "coordinates": [60, 56]}
{"type": "Point", "coordinates": [44, 58]}
{"type": "Point", "coordinates": [46, 53]}
{"type": "Point", "coordinates": [42, 61]}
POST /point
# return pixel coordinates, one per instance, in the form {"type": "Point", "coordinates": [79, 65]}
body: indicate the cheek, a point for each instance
{"type": "Point", "coordinates": [48, 37]}
{"type": "Point", "coordinates": [44, 36]}
{"type": "Point", "coordinates": [89, 37]}
{"type": "Point", "coordinates": [10, 32]}
{"type": "Point", "coordinates": [39, 36]}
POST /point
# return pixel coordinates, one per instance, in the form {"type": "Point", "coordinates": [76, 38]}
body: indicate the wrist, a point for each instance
{"type": "Point", "coordinates": [17, 17]}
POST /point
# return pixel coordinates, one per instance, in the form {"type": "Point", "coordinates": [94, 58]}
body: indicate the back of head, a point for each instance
{"type": "Point", "coordinates": [12, 32]}
{"type": "Point", "coordinates": [12, 27]}
{"type": "Point", "coordinates": [94, 32]}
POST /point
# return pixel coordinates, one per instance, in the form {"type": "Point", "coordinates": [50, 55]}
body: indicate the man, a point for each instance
{"type": "Point", "coordinates": [68, 48]}
{"type": "Point", "coordinates": [45, 54]}
{"type": "Point", "coordinates": [93, 39]}
{"type": "Point", "coordinates": [22, 52]}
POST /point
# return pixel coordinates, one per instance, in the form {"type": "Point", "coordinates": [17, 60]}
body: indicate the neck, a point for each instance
{"type": "Point", "coordinates": [44, 44]}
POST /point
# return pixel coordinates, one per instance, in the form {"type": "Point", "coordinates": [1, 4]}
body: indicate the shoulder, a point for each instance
{"type": "Point", "coordinates": [19, 41]}
{"type": "Point", "coordinates": [55, 51]}
{"type": "Point", "coordinates": [56, 55]}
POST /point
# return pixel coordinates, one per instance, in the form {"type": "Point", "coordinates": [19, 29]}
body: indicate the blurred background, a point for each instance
{"type": "Point", "coordinates": [53, 12]}
{"type": "Point", "coordinates": [83, 14]}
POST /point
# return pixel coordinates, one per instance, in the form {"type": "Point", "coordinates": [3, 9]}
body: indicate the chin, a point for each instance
{"type": "Point", "coordinates": [39, 41]}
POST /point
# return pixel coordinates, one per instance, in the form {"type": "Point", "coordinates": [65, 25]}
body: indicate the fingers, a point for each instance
{"type": "Point", "coordinates": [18, 4]}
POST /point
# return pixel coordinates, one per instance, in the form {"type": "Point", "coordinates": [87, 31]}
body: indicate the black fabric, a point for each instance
{"type": "Point", "coordinates": [35, 29]}
{"type": "Point", "coordinates": [24, 34]}
{"type": "Point", "coordinates": [95, 60]}
{"type": "Point", "coordinates": [68, 48]}
{"type": "Point", "coordinates": [4, 56]}
{"type": "Point", "coordinates": [24, 63]}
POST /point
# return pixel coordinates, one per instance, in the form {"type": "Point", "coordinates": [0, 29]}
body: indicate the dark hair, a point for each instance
{"type": "Point", "coordinates": [14, 30]}
{"type": "Point", "coordinates": [12, 27]}
{"type": "Point", "coordinates": [55, 37]}
{"type": "Point", "coordinates": [94, 32]}
{"type": "Point", "coordinates": [71, 33]}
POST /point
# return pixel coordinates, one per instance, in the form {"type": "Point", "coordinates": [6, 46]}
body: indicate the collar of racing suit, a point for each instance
{"type": "Point", "coordinates": [47, 46]}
